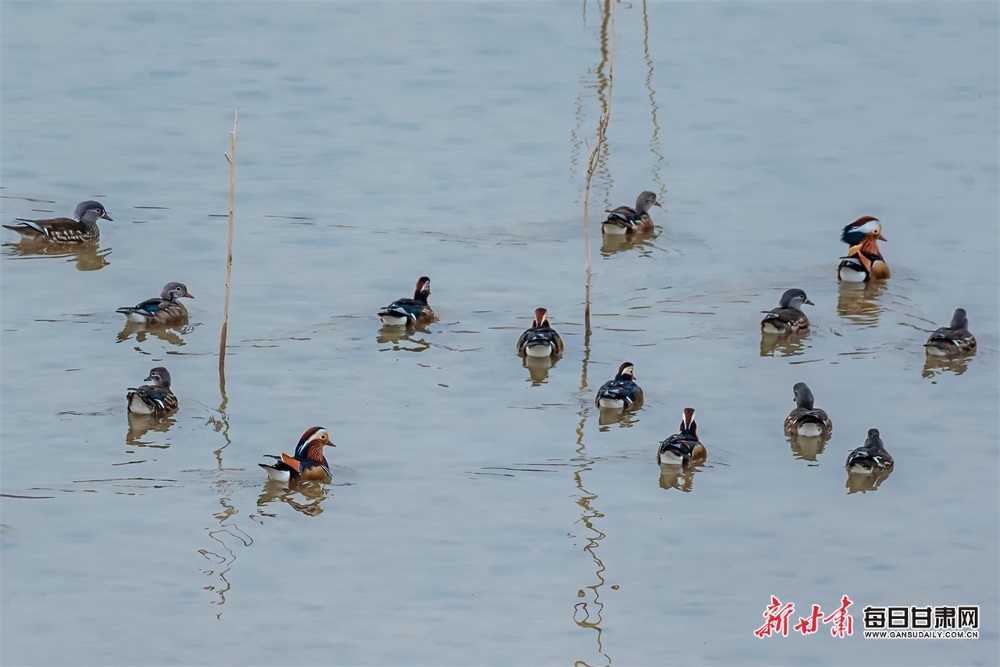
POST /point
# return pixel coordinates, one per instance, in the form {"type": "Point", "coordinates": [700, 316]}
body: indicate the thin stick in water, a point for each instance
{"type": "Point", "coordinates": [231, 159]}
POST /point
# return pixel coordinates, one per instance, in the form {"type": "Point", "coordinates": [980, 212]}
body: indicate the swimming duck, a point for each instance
{"type": "Point", "coordinates": [540, 339]}
{"type": "Point", "coordinates": [622, 393]}
{"type": "Point", "coordinates": [857, 230]}
{"type": "Point", "coordinates": [164, 309]}
{"type": "Point", "coordinates": [952, 339]}
{"type": "Point", "coordinates": [864, 261]}
{"type": "Point", "coordinates": [81, 228]}
{"type": "Point", "coordinates": [788, 316]}
{"type": "Point", "coordinates": [410, 311]}
{"type": "Point", "coordinates": [153, 399]}
{"type": "Point", "coordinates": [806, 420]}
{"type": "Point", "coordinates": [683, 448]}
{"type": "Point", "coordinates": [625, 219]}
{"type": "Point", "coordinates": [871, 456]}
{"type": "Point", "coordinates": [308, 463]}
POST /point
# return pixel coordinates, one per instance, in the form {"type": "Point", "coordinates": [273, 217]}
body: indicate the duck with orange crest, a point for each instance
{"type": "Point", "coordinates": [683, 448]}
{"type": "Point", "coordinates": [628, 220]}
{"type": "Point", "coordinates": [540, 339]}
{"type": "Point", "coordinates": [864, 260]}
{"type": "Point", "coordinates": [403, 312]}
{"type": "Point", "coordinates": [621, 393]}
{"type": "Point", "coordinates": [308, 462]}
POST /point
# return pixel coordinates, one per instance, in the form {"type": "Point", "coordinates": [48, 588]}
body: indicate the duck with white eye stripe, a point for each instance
{"type": "Point", "coordinates": [621, 393]}
{"type": "Point", "coordinates": [81, 228]}
{"type": "Point", "coordinates": [540, 339]}
{"type": "Point", "coordinates": [415, 311]}
{"type": "Point", "coordinates": [162, 310]}
{"type": "Point", "coordinates": [788, 316]}
{"type": "Point", "coordinates": [864, 261]}
{"type": "Point", "coordinates": [628, 220]}
{"type": "Point", "coordinates": [952, 339]}
{"type": "Point", "coordinates": [308, 463]}
{"type": "Point", "coordinates": [155, 399]}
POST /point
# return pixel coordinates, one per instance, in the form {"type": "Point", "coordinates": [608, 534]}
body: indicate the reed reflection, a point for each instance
{"type": "Point", "coordinates": [787, 345]}
{"type": "Point", "coordinates": [934, 366]}
{"type": "Point", "coordinates": [139, 426]}
{"type": "Point", "coordinates": [86, 256]}
{"type": "Point", "coordinates": [861, 303]}
{"type": "Point", "coordinates": [677, 477]}
{"type": "Point", "coordinates": [654, 141]}
{"type": "Point", "coordinates": [304, 497]}
{"type": "Point", "coordinates": [227, 536]}
{"type": "Point", "coordinates": [863, 483]}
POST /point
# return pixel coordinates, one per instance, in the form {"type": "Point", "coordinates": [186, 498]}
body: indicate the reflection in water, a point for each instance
{"type": "Point", "coordinates": [613, 244]}
{"type": "Point", "coordinates": [88, 256]}
{"type": "Point", "coordinates": [806, 448]}
{"type": "Point", "coordinates": [227, 535]}
{"type": "Point", "coordinates": [654, 141]}
{"type": "Point", "coordinates": [623, 418]}
{"type": "Point", "coordinates": [538, 368]}
{"type": "Point", "coordinates": [861, 303]}
{"type": "Point", "coordinates": [786, 345]}
{"type": "Point", "coordinates": [305, 497]}
{"type": "Point", "coordinates": [141, 331]}
{"type": "Point", "coordinates": [938, 365]}
{"type": "Point", "coordinates": [140, 425]}
{"type": "Point", "coordinates": [677, 477]}
{"type": "Point", "coordinates": [862, 483]}
{"type": "Point", "coordinates": [402, 339]}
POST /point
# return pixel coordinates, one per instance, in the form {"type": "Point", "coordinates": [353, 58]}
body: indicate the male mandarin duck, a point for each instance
{"type": "Point", "coordinates": [81, 228]}
{"type": "Point", "coordinates": [952, 339]}
{"type": "Point", "coordinates": [864, 261]}
{"type": "Point", "coordinates": [871, 456]}
{"type": "Point", "coordinates": [164, 309]}
{"type": "Point", "coordinates": [540, 339]}
{"type": "Point", "coordinates": [153, 399]}
{"type": "Point", "coordinates": [625, 219]}
{"type": "Point", "coordinates": [788, 316]}
{"type": "Point", "coordinates": [410, 311]}
{"type": "Point", "coordinates": [807, 420]}
{"type": "Point", "coordinates": [308, 463]}
{"type": "Point", "coordinates": [682, 448]}
{"type": "Point", "coordinates": [622, 393]}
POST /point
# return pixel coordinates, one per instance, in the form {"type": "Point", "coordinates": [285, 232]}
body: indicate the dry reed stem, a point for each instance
{"type": "Point", "coordinates": [231, 159]}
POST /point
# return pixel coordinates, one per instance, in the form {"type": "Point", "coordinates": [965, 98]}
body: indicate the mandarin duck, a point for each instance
{"type": "Point", "coordinates": [540, 339]}
{"type": "Point", "coordinates": [153, 399]}
{"type": "Point", "coordinates": [621, 393]}
{"type": "Point", "coordinates": [308, 462]}
{"type": "Point", "coordinates": [625, 219]}
{"type": "Point", "coordinates": [864, 261]}
{"type": "Point", "coordinates": [164, 309]}
{"type": "Point", "coordinates": [788, 316]}
{"type": "Point", "coordinates": [806, 419]}
{"type": "Point", "coordinates": [682, 448]}
{"type": "Point", "coordinates": [405, 311]}
{"type": "Point", "coordinates": [952, 339]}
{"type": "Point", "coordinates": [869, 457]}
{"type": "Point", "coordinates": [81, 228]}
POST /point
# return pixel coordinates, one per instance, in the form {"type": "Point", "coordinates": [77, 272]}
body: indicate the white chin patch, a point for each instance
{"type": "Point", "coordinates": [394, 321]}
{"type": "Point", "coordinates": [611, 403]}
{"type": "Point", "coordinates": [544, 350]}
{"type": "Point", "coordinates": [614, 230]}
{"type": "Point", "coordinates": [137, 406]}
{"type": "Point", "coordinates": [278, 475]}
{"type": "Point", "coordinates": [669, 458]}
{"type": "Point", "coordinates": [849, 275]}
{"type": "Point", "coordinates": [809, 430]}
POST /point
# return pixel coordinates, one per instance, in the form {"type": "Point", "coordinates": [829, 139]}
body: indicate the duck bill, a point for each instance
{"type": "Point", "coordinates": [881, 238]}
{"type": "Point", "coordinates": [188, 294]}
{"type": "Point", "coordinates": [107, 217]}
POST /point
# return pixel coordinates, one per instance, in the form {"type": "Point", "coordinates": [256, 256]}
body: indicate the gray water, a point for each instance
{"type": "Point", "coordinates": [481, 512]}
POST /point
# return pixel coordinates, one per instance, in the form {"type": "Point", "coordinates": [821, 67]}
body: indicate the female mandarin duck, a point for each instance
{"type": "Point", "coordinates": [788, 316]}
{"type": "Point", "coordinates": [153, 399]}
{"type": "Point", "coordinates": [81, 228]}
{"type": "Point", "coordinates": [952, 339]}
{"type": "Point", "coordinates": [869, 457]}
{"type": "Point", "coordinates": [807, 420]}
{"type": "Point", "coordinates": [625, 219]}
{"type": "Point", "coordinates": [401, 312]}
{"type": "Point", "coordinates": [540, 339]}
{"type": "Point", "coordinates": [683, 448]}
{"type": "Point", "coordinates": [165, 309]}
{"type": "Point", "coordinates": [864, 261]}
{"type": "Point", "coordinates": [622, 393]}
{"type": "Point", "coordinates": [308, 463]}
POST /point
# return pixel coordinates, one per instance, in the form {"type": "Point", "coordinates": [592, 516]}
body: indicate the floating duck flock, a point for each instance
{"type": "Point", "coordinates": [682, 450]}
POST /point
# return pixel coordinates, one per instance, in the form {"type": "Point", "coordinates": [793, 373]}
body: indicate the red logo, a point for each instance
{"type": "Point", "coordinates": [777, 620]}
